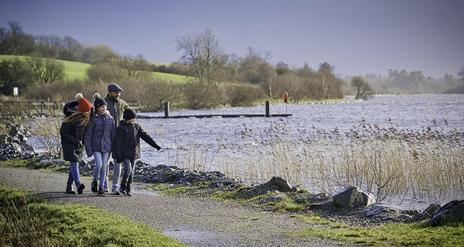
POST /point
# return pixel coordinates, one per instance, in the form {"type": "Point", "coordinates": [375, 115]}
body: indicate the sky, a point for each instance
{"type": "Point", "coordinates": [355, 36]}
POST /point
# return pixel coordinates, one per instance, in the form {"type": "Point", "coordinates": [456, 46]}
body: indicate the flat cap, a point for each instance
{"type": "Point", "coordinates": [113, 87]}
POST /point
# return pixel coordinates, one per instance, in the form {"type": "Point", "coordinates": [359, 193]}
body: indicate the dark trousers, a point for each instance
{"type": "Point", "coordinates": [129, 167]}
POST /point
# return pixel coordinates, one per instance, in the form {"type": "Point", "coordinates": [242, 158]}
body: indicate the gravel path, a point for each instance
{"type": "Point", "coordinates": [193, 221]}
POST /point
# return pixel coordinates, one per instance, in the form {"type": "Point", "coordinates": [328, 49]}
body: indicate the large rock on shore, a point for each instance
{"type": "Point", "coordinates": [453, 211]}
{"type": "Point", "coordinates": [275, 184]}
{"type": "Point", "coordinates": [382, 213]}
{"type": "Point", "coordinates": [353, 197]}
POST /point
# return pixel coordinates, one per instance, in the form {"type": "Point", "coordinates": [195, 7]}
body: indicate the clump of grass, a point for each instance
{"type": "Point", "coordinates": [391, 234]}
{"type": "Point", "coordinates": [27, 221]}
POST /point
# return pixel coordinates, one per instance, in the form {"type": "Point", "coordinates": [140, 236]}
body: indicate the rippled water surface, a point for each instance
{"type": "Point", "coordinates": [440, 112]}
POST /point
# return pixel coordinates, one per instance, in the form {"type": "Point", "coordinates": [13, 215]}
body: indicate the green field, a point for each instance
{"type": "Point", "coordinates": [78, 70]}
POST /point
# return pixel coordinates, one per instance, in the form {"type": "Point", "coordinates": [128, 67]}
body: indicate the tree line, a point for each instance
{"type": "Point", "coordinates": [250, 77]}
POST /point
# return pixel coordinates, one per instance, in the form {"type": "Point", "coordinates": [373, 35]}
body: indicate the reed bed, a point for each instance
{"type": "Point", "coordinates": [424, 164]}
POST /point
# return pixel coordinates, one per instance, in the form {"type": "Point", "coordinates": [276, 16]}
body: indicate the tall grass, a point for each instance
{"type": "Point", "coordinates": [388, 162]}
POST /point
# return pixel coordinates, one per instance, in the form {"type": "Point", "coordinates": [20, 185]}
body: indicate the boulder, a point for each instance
{"type": "Point", "coordinates": [453, 211]}
{"type": "Point", "coordinates": [280, 184]}
{"type": "Point", "coordinates": [275, 184]}
{"type": "Point", "coordinates": [428, 212]}
{"type": "Point", "coordinates": [353, 197]}
{"type": "Point", "coordinates": [384, 213]}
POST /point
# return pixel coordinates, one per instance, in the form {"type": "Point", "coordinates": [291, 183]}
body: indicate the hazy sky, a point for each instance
{"type": "Point", "coordinates": [356, 36]}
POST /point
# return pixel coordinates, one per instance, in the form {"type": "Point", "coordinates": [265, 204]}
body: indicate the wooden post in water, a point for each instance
{"type": "Point", "coordinates": [42, 104]}
{"type": "Point", "coordinates": [267, 109]}
{"type": "Point", "coordinates": [166, 110]}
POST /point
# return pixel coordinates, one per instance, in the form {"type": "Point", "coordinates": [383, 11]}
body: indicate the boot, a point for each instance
{"type": "Point", "coordinates": [128, 190]}
{"type": "Point", "coordinates": [69, 190]}
{"type": "Point", "coordinates": [122, 189]}
{"type": "Point", "coordinates": [101, 192]}
{"type": "Point", "coordinates": [94, 186]}
{"type": "Point", "coordinates": [80, 189]}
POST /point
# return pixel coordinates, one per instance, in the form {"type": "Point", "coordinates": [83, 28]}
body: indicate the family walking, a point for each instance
{"type": "Point", "coordinates": [103, 129]}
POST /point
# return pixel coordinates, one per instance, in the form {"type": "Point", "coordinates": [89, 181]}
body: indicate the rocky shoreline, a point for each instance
{"type": "Point", "coordinates": [351, 205]}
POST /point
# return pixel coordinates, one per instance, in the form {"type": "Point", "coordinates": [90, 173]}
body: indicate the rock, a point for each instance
{"type": "Point", "coordinates": [44, 163]}
{"type": "Point", "coordinates": [275, 184]}
{"type": "Point", "coordinates": [353, 197]}
{"type": "Point", "coordinates": [378, 210]}
{"type": "Point", "coordinates": [272, 199]}
{"type": "Point", "coordinates": [428, 212]}
{"type": "Point", "coordinates": [385, 213]}
{"type": "Point", "coordinates": [280, 184]}
{"type": "Point", "coordinates": [453, 211]}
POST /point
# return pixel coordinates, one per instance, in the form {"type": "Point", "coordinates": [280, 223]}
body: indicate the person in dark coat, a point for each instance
{"type": "Point", "coordinates": [72, 133]}
{"type": "Point", "coordinates": [98, 140]}
{"type": "Point", "coordinates": [126, 147]}
{"type": "Point", "coordinates": [116, 107]}
{"type": "Point", "coordinates": [71, 107]}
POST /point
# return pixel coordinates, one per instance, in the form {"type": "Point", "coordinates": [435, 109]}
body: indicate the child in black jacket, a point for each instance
{"type": "Point", "coordinates": [126, 148]}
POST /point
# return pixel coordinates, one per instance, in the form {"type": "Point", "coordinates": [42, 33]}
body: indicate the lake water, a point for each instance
{"type": "Point", "coordinates": [441, 112]}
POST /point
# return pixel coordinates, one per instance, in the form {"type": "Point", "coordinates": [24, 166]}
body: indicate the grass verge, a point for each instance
{"type": "Point", "coordinates": [389, 234]}
{"type": "Point", "coordinates": [25, 220]}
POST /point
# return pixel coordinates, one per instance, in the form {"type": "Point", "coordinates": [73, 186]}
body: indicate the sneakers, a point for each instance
{"type": "Point", "coordinates": [128, 193]}
{"type": "Point", "coordinates": [94, 186]}
{"type": "Point", "coordinates": [80, 189]}
{"type": "Point", "coordinates": [117, 193]}
{"type": "Point", "coordinates": [101, 192]}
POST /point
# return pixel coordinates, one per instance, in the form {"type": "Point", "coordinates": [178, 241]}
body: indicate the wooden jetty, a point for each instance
{"type": "Point", "coordinates": [168, 115]}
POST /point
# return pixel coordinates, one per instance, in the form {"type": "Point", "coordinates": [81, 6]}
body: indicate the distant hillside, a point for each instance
{"type": "Point", "coordinates": [77, 70]}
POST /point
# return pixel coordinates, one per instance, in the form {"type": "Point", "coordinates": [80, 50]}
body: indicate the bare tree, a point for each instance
{"type": "Point", "coordinates": [363, 88]}
{"type": "Point", "coordinates": [203, 52]}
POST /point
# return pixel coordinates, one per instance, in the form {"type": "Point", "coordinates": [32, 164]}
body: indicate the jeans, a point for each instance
{"type": "Point", "coordinates": [116, 176]}
{"type": "Point", "coordinates": [74, 174]}
{"type": "Point", "coordinates": [101, 167]}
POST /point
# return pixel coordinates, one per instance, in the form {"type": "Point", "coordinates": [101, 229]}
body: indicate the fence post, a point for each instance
{"type": "Point", "coordinates": [166, 110]}
{"type": "Point", "coordinates": [42, 103]}
{"type": "Point", "coordinates": [267, 109]}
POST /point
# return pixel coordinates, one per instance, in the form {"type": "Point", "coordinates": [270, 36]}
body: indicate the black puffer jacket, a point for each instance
{"type": "Point", "coordinates": [127, 141]}
{"type": "Point", "coordinates": [71, 141]}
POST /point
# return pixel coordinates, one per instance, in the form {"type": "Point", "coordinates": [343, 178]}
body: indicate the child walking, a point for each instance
{"type": "Point", "coordinates": [126, 148]}
{"type": "Point", "coordinates": [72, 132]}
{"type": "Point", "coordinates": [98, 141]}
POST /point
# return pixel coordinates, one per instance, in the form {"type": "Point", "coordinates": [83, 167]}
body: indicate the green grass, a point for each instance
{"type": "Point", "coordinates": [169, 77]}
{"type": "Point", "coordinates": [390, 234]}
{"type": "Point", "coordinates": [26, 220]}
{"type": "Point", "coordinates": [78, 70]}
{"type": "Point", "coordinates": [14, 163]}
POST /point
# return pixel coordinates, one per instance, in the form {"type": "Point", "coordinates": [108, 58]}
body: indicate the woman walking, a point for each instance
{"type": "Point", "coordinates": [98, 140]}
{"type": "Point", "coordinates": [72, 132]}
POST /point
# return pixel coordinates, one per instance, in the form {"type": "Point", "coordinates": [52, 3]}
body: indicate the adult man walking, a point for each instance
{"type": "Point", "coordinates": [116, 107]}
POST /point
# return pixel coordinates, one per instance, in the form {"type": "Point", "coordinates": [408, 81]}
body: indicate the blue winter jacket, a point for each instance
{"type": "Point", "coordinates": [99, 134]}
